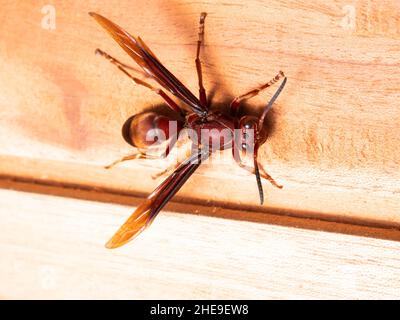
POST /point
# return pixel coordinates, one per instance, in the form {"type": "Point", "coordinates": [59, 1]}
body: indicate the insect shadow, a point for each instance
{"type": "Point", "coordinates": [188, 26]}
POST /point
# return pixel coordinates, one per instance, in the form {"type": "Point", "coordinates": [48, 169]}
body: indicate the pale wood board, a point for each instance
{"type": "Point", "coordinates": [52, 247]}
{"type": "Point", "coordinates": [334, 144]}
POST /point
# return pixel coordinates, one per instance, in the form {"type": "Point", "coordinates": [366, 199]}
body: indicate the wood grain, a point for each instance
{"type": "Point", "coordinates": [334, 131]}
{"type": "Point", "coordinates": [48, 252]}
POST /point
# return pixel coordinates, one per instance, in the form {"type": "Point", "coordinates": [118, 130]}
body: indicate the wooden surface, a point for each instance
{"type": "Point", "coordinates": [58, 254]}
{"type": "Point", "coordinates": [334, 145]}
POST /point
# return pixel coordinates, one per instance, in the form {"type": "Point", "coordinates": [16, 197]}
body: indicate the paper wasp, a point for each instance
{"type": "Point", "coordinates": [239, 133]}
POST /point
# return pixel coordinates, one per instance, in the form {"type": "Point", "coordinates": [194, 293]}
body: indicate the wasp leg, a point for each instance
{"type": "Point", "coordinates": [252, 93]}
{"type": "Point", "coordinates": [121, 66]}
{"type": "Point", "coordinates": [134, 156]}
{"type": "Point", "coordinates": [118, 63]}
{"type": "Point", "coordinates": [176, 164]}
{"type": "Point", "coordinates": [264, 174]}
{"type": "Point", "coordinates": [202, 91]}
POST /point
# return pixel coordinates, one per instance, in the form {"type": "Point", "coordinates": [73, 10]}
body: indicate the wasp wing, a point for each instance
{"type": "Point", "coordinates": [148, 210]}
{"type": "Point", "coordinates": [145, 58]}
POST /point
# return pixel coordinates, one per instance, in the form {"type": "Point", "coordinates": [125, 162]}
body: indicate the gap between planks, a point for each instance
{"type": "Point", "coordinates": [181, 206]}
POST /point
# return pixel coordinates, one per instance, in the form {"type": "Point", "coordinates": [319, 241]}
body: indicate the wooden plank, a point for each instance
{"type": "Point", "coordinates": [216, 190]}
{"type": "Point", "coordinates": [334, 135]}
{"type": "Point", "coordinates": [52, 247]}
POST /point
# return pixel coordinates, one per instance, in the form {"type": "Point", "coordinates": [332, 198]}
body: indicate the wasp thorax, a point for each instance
{"type": "Point", "coordinates": [215, 132]}
{"type": "Point", "coordinates": [148, 129]}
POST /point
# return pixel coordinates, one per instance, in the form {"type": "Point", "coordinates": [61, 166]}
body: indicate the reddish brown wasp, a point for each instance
{"type": "Point", "coordinates": [241, 134]}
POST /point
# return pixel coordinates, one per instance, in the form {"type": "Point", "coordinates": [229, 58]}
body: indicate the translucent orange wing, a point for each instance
{"type": "Point", "coordinates": [145, 58]}
{"type": "Point", "coordinates": [148, 210]}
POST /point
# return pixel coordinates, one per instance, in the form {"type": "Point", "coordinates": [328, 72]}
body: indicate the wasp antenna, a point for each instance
{"type": "Point", "coordinates": [271, 102]}
{"type": "Point", "coordinates": [258, 179]}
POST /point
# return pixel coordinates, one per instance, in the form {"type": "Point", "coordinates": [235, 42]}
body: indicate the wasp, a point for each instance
{"type": "Point", "coordinates": [242, 134]}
